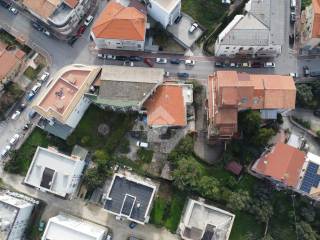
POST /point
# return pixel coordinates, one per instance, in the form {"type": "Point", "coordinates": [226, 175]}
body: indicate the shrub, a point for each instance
{"type": "Point", "coordinates": [145, 155]}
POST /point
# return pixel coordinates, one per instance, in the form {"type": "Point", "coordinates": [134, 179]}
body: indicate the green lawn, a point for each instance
{"type": "Point", "coordinates": [21, 159]}
{"type": "Point", "coordinates": [86, 133]}
{"type": "Point", "coordinates": [157, 214]}
{"type": "Point", "coordinates": [33, 73]}
{"type": "Point", "coordinates": [206, 12]}
{"type": "Point", "coordinates": [145, 155]}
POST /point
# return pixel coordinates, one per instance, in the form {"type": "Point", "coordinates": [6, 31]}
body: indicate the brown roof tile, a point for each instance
{"type": "Point", "coordinates": [43, 8]}
{"type": "Point", "coordinates": [8, 60]}
{"type": "Point", "coordinates": [316, 19]}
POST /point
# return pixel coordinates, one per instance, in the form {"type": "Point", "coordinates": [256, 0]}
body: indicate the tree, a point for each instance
{"type": "Point", "coordinates": [92, 179]}
{"type": "Point", "coordinates": [304, 95]}
{"type": "Point", "coordinates": [261, 209]}
{"type": "Point", "coordinates": [238, 200]}
{"type": "Point", "coordinates": [305, 232]}
{"type": "Point", "coordinates": [263, 136]}
{"type": "Point", "coordinates": [187, 174]}
{"type": "Point", "coordinates": [249, 122]}
{"type": "Point", "coordinates": [308, 213]}
{"type": "Point", "coordinates": [183, 150]}
{"type": "Point", "coordinates": [209, 187]}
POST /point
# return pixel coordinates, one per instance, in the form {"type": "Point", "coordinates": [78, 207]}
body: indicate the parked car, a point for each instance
{"type": "Point", "coordinates": [136, 59]}
{"type": "Point", "coordinates": [193, 27]}
{"type": "Point", "coordinates": [232, 65]}
{"type": "Point", "coordinates": [30, 96]}
{"type": "Point", "coordinates": [132, 225]}
{"type": "Point", "coordinates": [13, 10]}
{"type": "Point", "coordinates": [148, 61]}
{"type": "Point", "coordinates": [292, 17]}
{"type": "Point", "coordinates": [293, 74]}
{"type": "Point", "coordinates": [5, 151]}
{"type": "Point", "coordinates": [36, 88]}
{"type": "Point", "coordinates": [14, 139]}
{"type": "Point", "coordinates": [22, 107]}
{"type": "Point", "coordinates": [183, 75]}
{"type": "Point", "coordinates": [178, 19]}
{"type": "Point", "coordinates": [26, 126]}
{"type": "Point", "coordinates": [219, 64]}
{"type": "Point", "coordinates": [32, 114]}
{"type": "Point", "coordinates": [41, 226]}
{"type": "Point", "coordinates": [109, 237]}
{"type": "Point", "coordinates": [314, 73]}
{"type": "Point", "coordinates": [161, 60]}
{"type": "Point", "coordinates": [269, 65]}
{"type": "Point", "coordinates": [15, 115]}
{"type": "Point", "coordinates": [306, 71]}
{"type": "Point", "coordinates": [175, 61]}
{"type": "Point", "coordinates": [246, 64]}
{"type": "Point", "coordinates": [88, 20]}
{"type": "Point", "coordinates": [37, 26]}
{"type": "Point", "coordinates": [316, 112]}
{"type": "Point", "coordinates": [4, 4]}
{"type": "Point", "coordinates": [256, 64]}
{"type": "Point", "coordinates": [44, 76]}
{"type": "Point", "coordinates": [167, 74]}
{"type": "Point", "coordinates": [142, 144]}
{"type": "Point", "coordinates": [81, 30]}
{"type": "Point", "coordinates": [121, 58]}
{"type": "Point", "coordinates": [106, 56]}
{"type": "Point", "coordinates": [46, 32]}
{"type": "Point", "coordinates": [189, 62]}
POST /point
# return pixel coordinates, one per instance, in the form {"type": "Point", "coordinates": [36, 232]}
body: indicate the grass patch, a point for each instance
{"type": "Point", "coordinates": [305, 3]}
{"type": "Point", "coordinates": [206, 12]}
{"type": "Point", "coordinates": [145, 155]}
{"type": "Point", "coordinates": [86, 133]}
{"type": "Point", "coordinates": [12, 92]}
{"type": "Point", "coordinates": [157, 214]}
{"type": "Point", "coordinates": [22, 158]}
{"type": "Point", "coordinates": [33, 73]}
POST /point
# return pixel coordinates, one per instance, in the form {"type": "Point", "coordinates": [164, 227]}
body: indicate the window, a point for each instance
{"type": "Point", "coordinates": [227, 47]}
{"type": "Point", "coordinates": [244, 100]}
{"type": "Point", "coordinates": [255, 100]}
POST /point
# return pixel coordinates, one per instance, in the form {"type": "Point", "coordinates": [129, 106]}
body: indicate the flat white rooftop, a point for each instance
{"type": "Point", "coordinates": [72, 228]}
{"type": "Point", "coordinates": [166, 4]}
{"type": "Point", "coordinates": [51, 170]}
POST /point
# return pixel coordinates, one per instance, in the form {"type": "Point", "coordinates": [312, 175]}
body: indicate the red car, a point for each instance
{"type": "Point", "coordinates": [149, 62]}
{"type": "Point", "coordinates": [81, 30]}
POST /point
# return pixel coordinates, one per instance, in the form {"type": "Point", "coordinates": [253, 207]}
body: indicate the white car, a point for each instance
{"type": "Point", "coordinates": [14, 139]}
{"type": "Point", "coordinates": [15, 115]}
{"type": "Point", "coordinates": [46, 32]}
{"type": "Point", "coordinates": [190, 62]}
{"type": "Point", "coordinates": [161, 60]}
{"type": "Point", "coordinates": [294, 75]}
{"type": "Point", "coordinates": [44, 76]}
{"type": "Point", "coordinates": [88, 20]}
{"type": "Point", "coordinates": [193, 27]}
{"type": "Point", "coordinates": [142, 144]}
{"type": "Point", "coordinates": [13, 10]}
{"type": "Point", "coordinates": [36, 88]}
{"type": "Point", "coordinates": [269, 65]}
{"type": "Point", "coordinates": [5, 151]}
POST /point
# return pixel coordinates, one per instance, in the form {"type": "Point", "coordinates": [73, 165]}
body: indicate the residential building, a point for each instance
{"type": "Point", "coordinates": [10, 62]}
{"type": "Point", "coordinates": [231, 91]}
{"type": "Point", "coordinates": [61, 16]}
{"type": "Point", "coordinates": [65, 226]}
{"type": "Point", "coordinates": [289, 167]}
{"type": "Point", "coordinates": [54, 172]}
{"type": "Point", "coordinates": [130, 197]}
{"type": "Point", "coordinates": [63, 102]}
{"type": "Point", "coordinates": [167, 107]}
{"type": "Point", "coordinates": [164, 11]}
{"type": "Point", "coordinates": [125, 88]}
{"type": "Point", "coordinates": [255, 34]}
{"type": "Point", "coordinates": [310, 36]}
{"type": "Point", "coordinates": [15, 212]}
{"type": "Point", "coordinates": [203, 221]}
{"type": "Point", "coordinates": [119, 27]}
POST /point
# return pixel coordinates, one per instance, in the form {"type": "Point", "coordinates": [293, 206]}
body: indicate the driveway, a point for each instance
{"type": "Point", "coordinates": [307, 115]}
{"type": "Point", "coordinates": [90, 212]}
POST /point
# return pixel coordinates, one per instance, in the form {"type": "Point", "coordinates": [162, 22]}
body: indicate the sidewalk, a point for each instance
{"type": "Point", "coordinates": [89, 212]}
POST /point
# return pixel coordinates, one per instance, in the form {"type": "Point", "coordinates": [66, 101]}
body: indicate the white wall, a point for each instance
{"type": "Point", "coordinates": [21, 223]}
{"type": "Point", "coordinates": [118, 44]}
{"type": "Point", "coordinates": [78, 112]}
{"type": "Point", "coordinates": [75, 179]}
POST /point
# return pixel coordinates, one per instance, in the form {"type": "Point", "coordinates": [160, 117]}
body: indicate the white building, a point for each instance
{"type": "Point", "coordinates": [255, 34]}
{"type": "Point", "coordinates": [14, 216]}
{"type": "Point", "coordinates": [164, 11]}
{"type": "Point", "coordinates": [119, 27]}
{"type": "Point", "coordinates": [68, 227]}
{"type": "Point", "coordinates": [63, 103]}
{"type": "Point", "coordinates": [54, 172]}
{"type": "Point", "coordinates": [203, 221]}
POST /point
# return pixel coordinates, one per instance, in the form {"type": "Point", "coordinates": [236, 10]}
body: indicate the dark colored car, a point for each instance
{"type": "Point", "coordinates": [132, 225]}
{"type": "Point", "coordinates": [121, 58]}
{"type": "Point", "coordinates": [149, 62]}
{"type": "Point", "coordinates": [37, 26]}
{"type": "Point", "coordinates": [4, 4]}
{"type": "Point", "coordinates": [219, 64]}
{"type": "Point", "coordinates": [316, 112]}
{"type": "Point", "coordinates": [183, 75]}
{"type": "Point", "coordinates": [22, 107]}
{"type": "Point", "coordinates": [256, 64]}
{"type": "Point", "coordinates": [306, 71]}
{"type": "Point", "coordinates": [178, 19]}
{"type": "Point", "coordinates": [135, 59]}
{"type": "Point", "coordinates": [72, 40]}
{"type": "Point", "coordinates": [175, 61]}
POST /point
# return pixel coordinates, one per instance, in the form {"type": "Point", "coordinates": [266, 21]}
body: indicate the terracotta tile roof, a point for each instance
{"type": "Point", "coordinates": [71, 3]}
{"type": "Point", "coordinates": [8, 60]}
{"type": "Point", "coordinates": [20, 54]}
{"type": "Point", "coordinates": [119, 22]}
{"type": "Point", "coordinates": [316, 19]}
{"type": "Point", "coordinates": [227, 116]}
{"type": "Point", "coordinates": [283, 163]}
{"type": "Point", "coordinates": [167, 107]}
{"type": "Point", "coordinates": [43, 8]}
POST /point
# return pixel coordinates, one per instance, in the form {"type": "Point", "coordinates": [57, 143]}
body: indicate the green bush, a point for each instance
{"type": "Point", "coordinates": [303, 123]}
{"type": "Point", "coordinates": [33, 73]}
{"type": "Point", "coordinates": [145, 155]}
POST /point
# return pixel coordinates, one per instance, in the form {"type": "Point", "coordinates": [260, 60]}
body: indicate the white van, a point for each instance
{"type": "Point", "coordinates": [293, 4]}
{"type": "Point", "coordinates": [142, 144]}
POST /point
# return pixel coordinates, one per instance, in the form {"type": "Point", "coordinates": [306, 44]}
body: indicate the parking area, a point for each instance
{"type": "Point", "coordinates": [180, 31]}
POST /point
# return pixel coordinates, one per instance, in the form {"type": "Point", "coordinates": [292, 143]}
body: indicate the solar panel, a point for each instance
{"type": "Point", "coordinates": [311, 178]}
